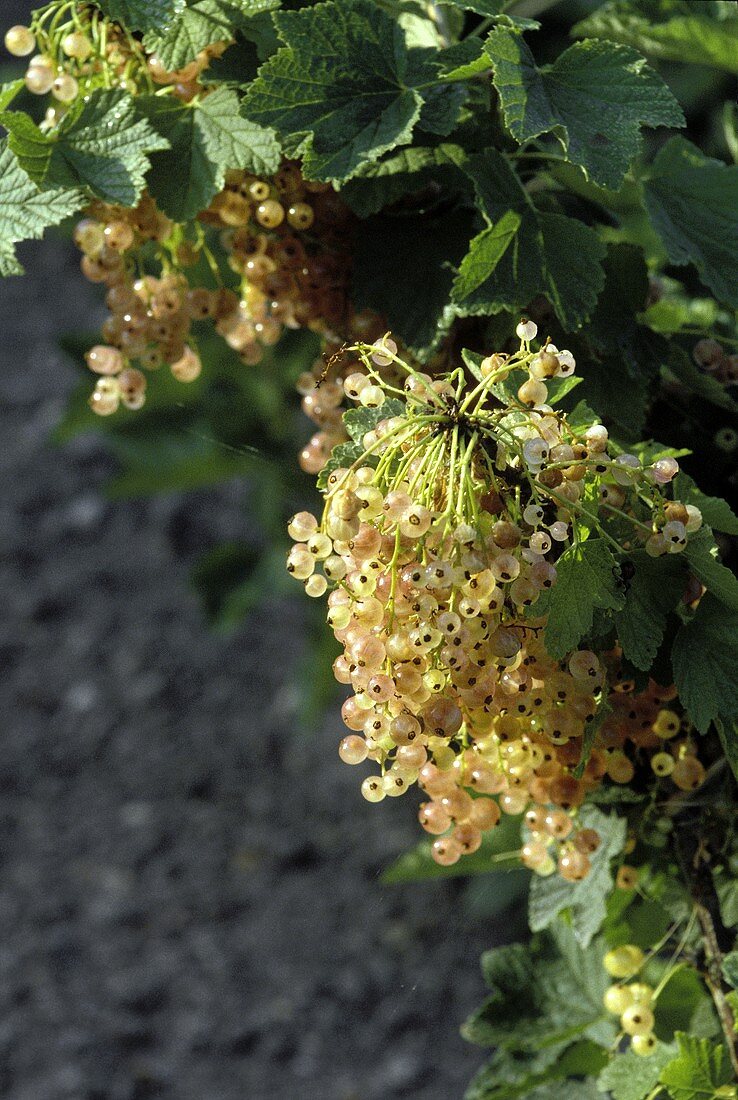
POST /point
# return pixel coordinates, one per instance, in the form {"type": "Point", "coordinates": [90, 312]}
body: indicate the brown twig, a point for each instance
{"type": "Point", "coordinates": [714, 981]}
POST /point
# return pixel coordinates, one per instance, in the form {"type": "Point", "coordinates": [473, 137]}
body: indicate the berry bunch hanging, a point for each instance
{"type": "Point", "coordinates": [437, 543]}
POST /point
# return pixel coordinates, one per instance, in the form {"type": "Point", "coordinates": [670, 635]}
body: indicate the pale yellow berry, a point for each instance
{"type": "Point", "coordinates": [624, 962]}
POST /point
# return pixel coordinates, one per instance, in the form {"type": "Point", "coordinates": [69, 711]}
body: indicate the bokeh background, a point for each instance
{"type": "Point", "coordinates": [191, 904]}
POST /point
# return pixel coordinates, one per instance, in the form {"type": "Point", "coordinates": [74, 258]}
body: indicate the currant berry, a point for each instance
{"type": "Point", "coordinates": [626, 878]}
{"type": "Point", "coordinates": [373, 790]}
{"type": "Point", "coordinates": [446, 851]}
{"type": "Point", "coordinates": [20, 41]}
{"type": "Point", "coordinates": [688, 774]}
{"type": "Point", "coordinates": [40, 77]}
{"type": "Point", "coordinates": [104, 360]}
{"type": "Point", "coordinates": [77, 45]}
{"type": "Point", "coordinates": [188, 367]}
{"type": "Point", "coordinates": [663, 764]}
{"type": "Point", "coordinates": [65, 88]}
{"type": "Point", "coordinates": [644, 1045]}
{"type": "Point", "coordinates": [574, 866]}
{"type": "Point", "coordinates": [637, 1019]}
{"type": "Point", "coordinates": [353, 750]}
{"type": "Point", "coordinates": [641, 993]}
{"type": "Point", "coordinates": [624, 962]}
{"type": "Point", "coordinates": [617, 998]}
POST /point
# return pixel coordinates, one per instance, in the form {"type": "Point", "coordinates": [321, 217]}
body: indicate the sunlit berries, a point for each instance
{"type": "Point", "coordinates": [434, 547]}
{"type": "Point", "coordinates": [20, 41]}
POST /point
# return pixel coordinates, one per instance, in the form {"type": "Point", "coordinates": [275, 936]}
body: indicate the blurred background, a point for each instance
{"type": "Point", "coordinates": [191, 901]}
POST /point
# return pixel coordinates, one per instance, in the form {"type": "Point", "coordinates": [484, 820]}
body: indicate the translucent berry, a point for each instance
{"type": "Point", "coordinates": [105, 360]}
{"type": "Point", "coordinates": [624, 961]}
{"type": "Point", "coordinates": [637, 1019]}
{"type": "Point", "coordinates": [644, 1045]}
{"type": "Point", "coordinates": [188, 367]}
{"type": "Point", "coordinates": [77, 45]}
{"type": "Point", "coordinates": [40, 77]}
{"type": "Point", "coordinates": [270, 214]}
{"type": "Point", "coordinates": [663, 764]}
{"type": "Point", "coordinates": [617, 998]}
{"type": "Point", "coordinates": [526, 330]}
{"type": "Point", "coordinates": [300, 215]}
{"type": "Point", "coordinates": [372, 789]}
{"type": "Point", "coordinates": [587, 841]}
{"type": "Point", "coordinates": [353, 750]}
{"type": "Point", "coordinates": [574, 866]}
{"type": "Point", "coordinates": [627, 878]}
{"type": "Point", "coordinates": [65, 88]}
{"type": "Point", "coordinates": [20, 41]}
{"type": "Point", "coordinates": [688, 773]}
{"type": "Point", "coordinates": [446, 851]}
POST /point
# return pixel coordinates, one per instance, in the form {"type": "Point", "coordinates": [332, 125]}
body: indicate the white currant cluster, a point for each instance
{"type": "Point", "coordinates": [436, 544]}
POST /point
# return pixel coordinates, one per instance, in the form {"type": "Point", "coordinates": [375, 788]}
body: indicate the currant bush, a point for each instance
{"type": "Point", "coordinates": [436, 546]}
{"type": "Point", "coordinates": [495, 286]}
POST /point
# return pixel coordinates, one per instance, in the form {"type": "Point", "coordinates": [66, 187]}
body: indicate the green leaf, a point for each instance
{"type": "Point", "coordinates": [668, 30]}
{"type": "Point", "coordinates": [548, 1073]}
{"type": "Point", "coordinates": [613, 328]}
{"type": "Point", "coordinates": [693, 203]}
{"type": "Point", "coordinates": [231, 581]}
{"type": "Point", "coordinates": [172, 460]}
{"type": "Point", "coordinates": [559, 388]}
{"type": "Point", "coordinates": [572, 257]}
{"type": "Point", "coordinates": [549, 254]}
{"type": "Point", "coordinates": [630, 1077]}
{"type": "Point", "coordinates": [654, 590]}
{"type": "Point", "coordinates": [594, 98]}
{"type": "Point", "coordinates": [566, 1090]}
{"type": "Point", "coordinates": [498, 852]}
{"type": "Point", "coordinates": [726, 888]}
{"type": "Point", "coordinates": [586, 581]}
{"type": "Point", "coordinates": [581, 417]}
{"type": "Point", "coordinates": [102, 146]}
{"type": "Point", "coordinates": [591, 729]}
{"type": "Point", "coordinates": [464, 60]}
{"type": "Point", "coordinates": [682, 367]}
{"type": "Point", "coordinates": [485, 252]}
{"type": "Point", "coordinates": [142, 15]}
{"type": "Point", "coordinates": [716, 512]}
{"type": "Point", "coordinates": [205, 138]}
{"type": "Point", "coordinates": [342, 456]}
{"type": "Point", "coordinates": [25, 212]}
{"type": "Point", "coordinates": [518, 275]}
{"type": "Point", "coordinates": [360, 420]}
{"type": "Point", "coordinates": [480, 7]}
{"type": "Point", "coordinates": [698, 1071]}
{"type": "Point", "coordinates": [8, 92]}
{"type": "Point", "coordinates": [345, 88]}
{"type": "Point", "coordinates": [705, 660]}
{"type": "Point", "coordinates": [542, 995]}
{"type": "Point", "coordinates": [730, 968]}
{"type": "Point", "coordinates": [719, 581]}
{"type": "Point", "coordinates": [672, 314]}
{"type": "Point", "coordinates": [199, 25]}
{"type": "Point", "coordinates": [615, 796]}
{"type": "Point", "coordinates": [585, 900]}
{"type": "Point", "coordinates": [414, 306]}
{"type": "Point", "coordinates": [405, 171]}
{"type": "Point", "coordinates": [728, 735]}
